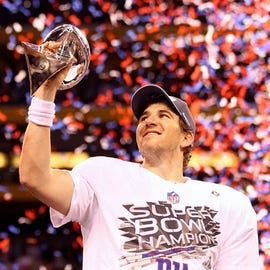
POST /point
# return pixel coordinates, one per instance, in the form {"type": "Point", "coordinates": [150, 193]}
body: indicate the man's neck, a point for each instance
{"type": "Point", "coordinates": [170, 169]}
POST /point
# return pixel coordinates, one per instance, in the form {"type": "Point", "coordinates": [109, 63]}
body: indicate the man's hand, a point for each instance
{"type": "Point", "coordinates": [48, 89]}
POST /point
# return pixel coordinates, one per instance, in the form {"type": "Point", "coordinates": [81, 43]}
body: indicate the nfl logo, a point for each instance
{"type": "Point", "coordinates": [173, 197]}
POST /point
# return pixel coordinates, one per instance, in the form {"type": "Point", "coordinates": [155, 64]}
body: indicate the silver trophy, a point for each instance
{"type": "Point", "coordinates": [64, 45]}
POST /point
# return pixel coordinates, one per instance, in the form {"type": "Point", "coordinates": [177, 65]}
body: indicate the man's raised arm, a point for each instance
{"type": "Point", "coordinates": [53, 187]}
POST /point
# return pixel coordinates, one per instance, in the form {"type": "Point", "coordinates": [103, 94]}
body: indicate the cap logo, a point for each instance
{"type": "Point", "coordinates": [172, 99]}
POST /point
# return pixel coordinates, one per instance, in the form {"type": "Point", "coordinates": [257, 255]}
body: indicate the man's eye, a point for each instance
{"type": "Point", "coordinates": [143, 118]}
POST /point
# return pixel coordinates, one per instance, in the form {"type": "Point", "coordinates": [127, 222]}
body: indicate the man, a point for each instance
{"type": "Point", "coordinates": [141, 216]}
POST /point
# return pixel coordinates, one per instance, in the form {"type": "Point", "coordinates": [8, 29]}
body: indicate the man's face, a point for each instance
{"type": "Point", "coordinates": [158, 130]}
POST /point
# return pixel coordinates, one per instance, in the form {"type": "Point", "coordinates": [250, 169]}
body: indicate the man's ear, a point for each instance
{"type": "Point", "coordinates": [187, 139]}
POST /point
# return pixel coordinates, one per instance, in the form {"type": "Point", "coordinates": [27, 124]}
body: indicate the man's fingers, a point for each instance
{"type": "Point", "coordinates": [50, 46]}
{"type": "Point", "coordinates": [58, 78]}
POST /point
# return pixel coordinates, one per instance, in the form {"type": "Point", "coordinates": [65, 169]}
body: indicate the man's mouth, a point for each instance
{"type": "Point", "coordinates": [149, 132]}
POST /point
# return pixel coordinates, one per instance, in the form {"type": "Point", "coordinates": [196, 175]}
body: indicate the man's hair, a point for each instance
{"type": "Point", "coordinates": [187, 153]}
{"type": "Point", "coordinates": [185, 128]}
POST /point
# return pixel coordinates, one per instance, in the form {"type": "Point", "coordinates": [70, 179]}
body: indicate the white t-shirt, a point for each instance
{"type": "Point", "coordinates": [132, 219]}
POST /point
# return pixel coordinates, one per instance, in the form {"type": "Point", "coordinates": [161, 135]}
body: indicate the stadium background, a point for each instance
{"type": "Point", "coordinates": [214, 54]}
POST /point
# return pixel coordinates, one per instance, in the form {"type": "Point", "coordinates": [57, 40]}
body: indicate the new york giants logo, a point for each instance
{"type": "Point", "coordinates": [165, 264]}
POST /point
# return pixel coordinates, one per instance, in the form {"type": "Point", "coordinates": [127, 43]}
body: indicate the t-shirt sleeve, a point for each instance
{"type": "Point", "coordinates": [82, 200]}
{"type": "Point", "coordinates": [239, 249]}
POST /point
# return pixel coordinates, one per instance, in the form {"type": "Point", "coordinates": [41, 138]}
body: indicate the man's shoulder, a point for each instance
{"type": "Point", "coordinates": [225, 199]}
{"type": "Point", "coordinates": [114, 160]}
{"type": "Point", "coordinates": [220, 190]}
{"type": "Point", "coordinates": [105, 162]}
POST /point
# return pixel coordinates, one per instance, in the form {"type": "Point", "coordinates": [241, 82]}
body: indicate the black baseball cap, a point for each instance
{"type": "Point", "coordinates": [147, 92]}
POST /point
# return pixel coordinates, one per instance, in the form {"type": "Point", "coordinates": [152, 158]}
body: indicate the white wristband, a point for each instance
{"type": "Point", "coordinates": [41, 112]}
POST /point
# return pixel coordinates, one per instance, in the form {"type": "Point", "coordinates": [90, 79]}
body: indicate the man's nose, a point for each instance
{"type": "Point", "coordinates": [151, 120]}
